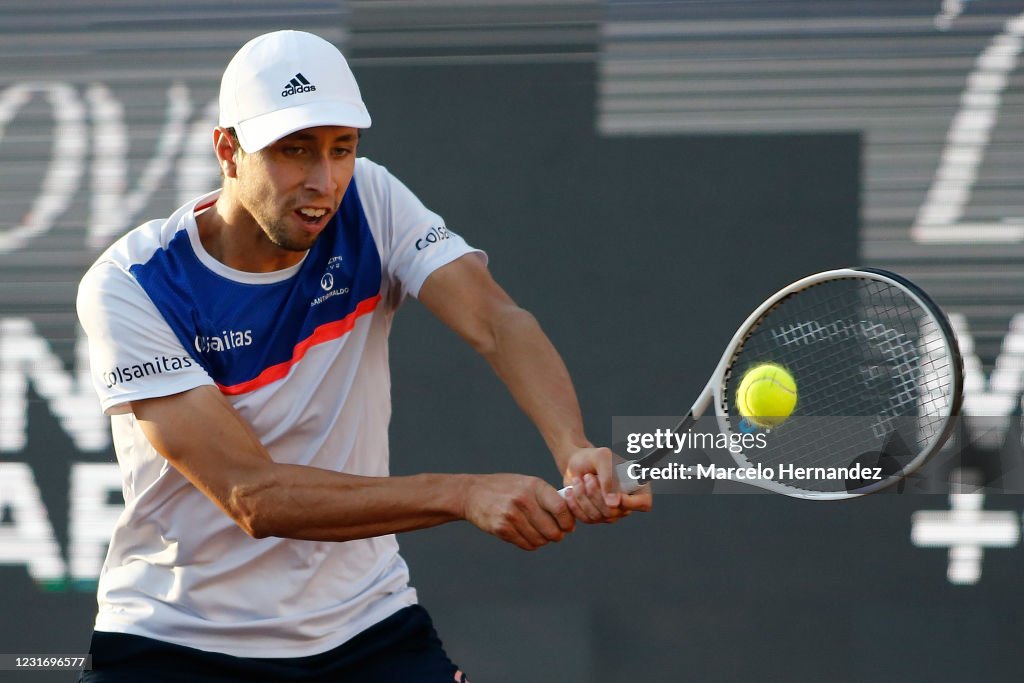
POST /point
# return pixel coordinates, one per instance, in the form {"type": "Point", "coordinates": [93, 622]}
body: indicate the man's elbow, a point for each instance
{"type": "Point", "coordinates": [249, 506]}
{"type": "Point", "coordinates": [506, 323]}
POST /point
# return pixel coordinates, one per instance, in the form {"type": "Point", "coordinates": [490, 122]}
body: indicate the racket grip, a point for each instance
{"type": "Point", "coordinates": [626, 483]}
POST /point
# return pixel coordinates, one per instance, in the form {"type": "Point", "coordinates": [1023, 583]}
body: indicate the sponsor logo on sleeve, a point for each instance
{"type": "Point", "coordinates": [158, 366]}
{"type": "Point", "coordinates": [433, 236]}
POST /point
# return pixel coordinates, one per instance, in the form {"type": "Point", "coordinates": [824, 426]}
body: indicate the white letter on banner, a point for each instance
{"type": "Point", "coordinates": [28, 538]}
{"type": "Point", "coordinates": [67, 160]}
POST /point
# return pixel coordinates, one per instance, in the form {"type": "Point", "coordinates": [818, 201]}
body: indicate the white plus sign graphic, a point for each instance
{"type": "Point", "coordinates": [965, 529]}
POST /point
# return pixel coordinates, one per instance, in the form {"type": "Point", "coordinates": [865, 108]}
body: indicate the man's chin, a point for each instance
{"type": "Point", "coordinates": [299, 248]}
{"type": "Point", "coordinates": [296, 244]}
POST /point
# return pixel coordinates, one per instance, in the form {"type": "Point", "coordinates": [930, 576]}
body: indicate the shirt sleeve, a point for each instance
{"type": "Point", "coordinates": [133, 353]}
{"type": "Point", "coordinates": [416, 241]}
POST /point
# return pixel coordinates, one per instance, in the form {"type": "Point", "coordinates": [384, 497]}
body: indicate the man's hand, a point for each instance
{"type": "Point", "coordinates": [595, 496]}
{"type": "Point", "coordinates": [524, 511]}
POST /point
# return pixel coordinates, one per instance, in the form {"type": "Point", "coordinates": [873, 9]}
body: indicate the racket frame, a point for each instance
{"type": "Point", "coordinates": [714, 391]}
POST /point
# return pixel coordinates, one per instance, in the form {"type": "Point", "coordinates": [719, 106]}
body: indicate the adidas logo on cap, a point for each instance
{"type": "Point", "coordinates": [297, 85]}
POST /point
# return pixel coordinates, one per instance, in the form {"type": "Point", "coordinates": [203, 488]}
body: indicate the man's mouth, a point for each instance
{"type": "Point", "coordinates": [311, 215]}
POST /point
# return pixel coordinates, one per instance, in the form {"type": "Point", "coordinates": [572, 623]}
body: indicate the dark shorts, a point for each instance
{"type": "Point", "coordinates": [404, 648]}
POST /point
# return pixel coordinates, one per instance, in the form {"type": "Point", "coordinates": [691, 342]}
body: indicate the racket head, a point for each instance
{"type": "Point", "coordinates": [878, 373]}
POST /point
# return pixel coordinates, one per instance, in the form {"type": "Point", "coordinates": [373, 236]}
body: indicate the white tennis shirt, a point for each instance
{"type": "Point", "coordinates": [302, 354]}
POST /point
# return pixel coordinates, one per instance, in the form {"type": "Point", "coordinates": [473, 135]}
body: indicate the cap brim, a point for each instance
{"type": "Point", "coordinates": [256, 133]}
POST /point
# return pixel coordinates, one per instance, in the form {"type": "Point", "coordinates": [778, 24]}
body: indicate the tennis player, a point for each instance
{"type": "Point", "coordinates": [240, 346]}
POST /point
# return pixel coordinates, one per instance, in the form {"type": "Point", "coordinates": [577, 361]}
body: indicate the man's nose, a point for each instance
{"type": "Point", "coordinates": [321, 177]}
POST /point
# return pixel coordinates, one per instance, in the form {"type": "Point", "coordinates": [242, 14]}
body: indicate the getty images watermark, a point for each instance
{"type": "Point", "coordinates": [823, 456]}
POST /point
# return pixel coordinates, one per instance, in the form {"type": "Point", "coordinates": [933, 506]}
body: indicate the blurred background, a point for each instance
{"type": "Point", "coordinates": [642, 175]}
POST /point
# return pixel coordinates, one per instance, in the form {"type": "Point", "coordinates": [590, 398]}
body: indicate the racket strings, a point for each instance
{"type": "Point", "coordinates": [875, 376]}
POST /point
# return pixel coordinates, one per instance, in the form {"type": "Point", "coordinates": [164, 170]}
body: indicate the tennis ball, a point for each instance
{"type": "Point", "coordinates": [766, 395]}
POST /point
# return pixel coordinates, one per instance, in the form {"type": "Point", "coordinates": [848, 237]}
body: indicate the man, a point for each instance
{"type": "Point", "coordinates": [241, 348]}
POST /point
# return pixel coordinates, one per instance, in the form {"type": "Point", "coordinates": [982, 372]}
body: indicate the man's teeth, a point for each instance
{"type": "Point", "coordinates": [313, 213]}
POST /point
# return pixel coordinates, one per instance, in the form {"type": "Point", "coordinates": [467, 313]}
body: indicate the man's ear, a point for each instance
{"type": "Point", "coordinates": [226, 146]}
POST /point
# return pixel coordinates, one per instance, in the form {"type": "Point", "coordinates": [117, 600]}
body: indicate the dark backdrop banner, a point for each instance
{"type": "Point", "coordinates": [639, 247]}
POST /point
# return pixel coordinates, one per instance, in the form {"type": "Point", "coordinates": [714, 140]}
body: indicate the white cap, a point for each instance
{"type": "Point", "coordinates": [285, 81]}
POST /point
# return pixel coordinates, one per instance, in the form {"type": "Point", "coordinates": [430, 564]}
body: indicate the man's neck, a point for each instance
{"type": "Point", "coordinates": [231, 235]}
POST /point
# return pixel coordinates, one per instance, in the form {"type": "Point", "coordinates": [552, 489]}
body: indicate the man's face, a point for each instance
{"type": "Point", "coordinates": [293, 187]}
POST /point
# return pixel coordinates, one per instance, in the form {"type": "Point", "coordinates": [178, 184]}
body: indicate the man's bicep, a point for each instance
{"type": "Point", "coordinates": [133, 353]}
{"type": "Point", "coordinates": [464, 296]}
{"type": "Point", "coordinates": [202, 435]}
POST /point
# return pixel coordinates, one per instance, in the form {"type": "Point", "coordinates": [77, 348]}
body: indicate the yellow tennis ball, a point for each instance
{"type": "Point", "coordinates": [766, 395]}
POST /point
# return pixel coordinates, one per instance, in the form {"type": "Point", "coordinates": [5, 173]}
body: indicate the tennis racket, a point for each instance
{"type": "Point", "coordinates": [879, 383]}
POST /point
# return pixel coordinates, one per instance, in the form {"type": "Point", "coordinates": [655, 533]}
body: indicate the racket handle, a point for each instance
{"type": "Point", "coordinates": [626, 484]}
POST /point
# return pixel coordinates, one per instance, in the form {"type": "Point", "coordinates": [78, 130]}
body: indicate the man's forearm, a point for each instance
{"type": "Point", "coordinates": [466, 298]}
{"type": "Point", "coordinates": [294, 501]}
{"type": "Point", "coordinates": [305, 503]}
{"type": "Point", "coordinates": [527, 362]}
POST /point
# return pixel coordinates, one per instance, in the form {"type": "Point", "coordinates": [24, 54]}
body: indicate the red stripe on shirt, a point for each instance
{"type": "Point", "coordinates": [203, 207]}
{"type": "Point", "coordinates": [324, 333]}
